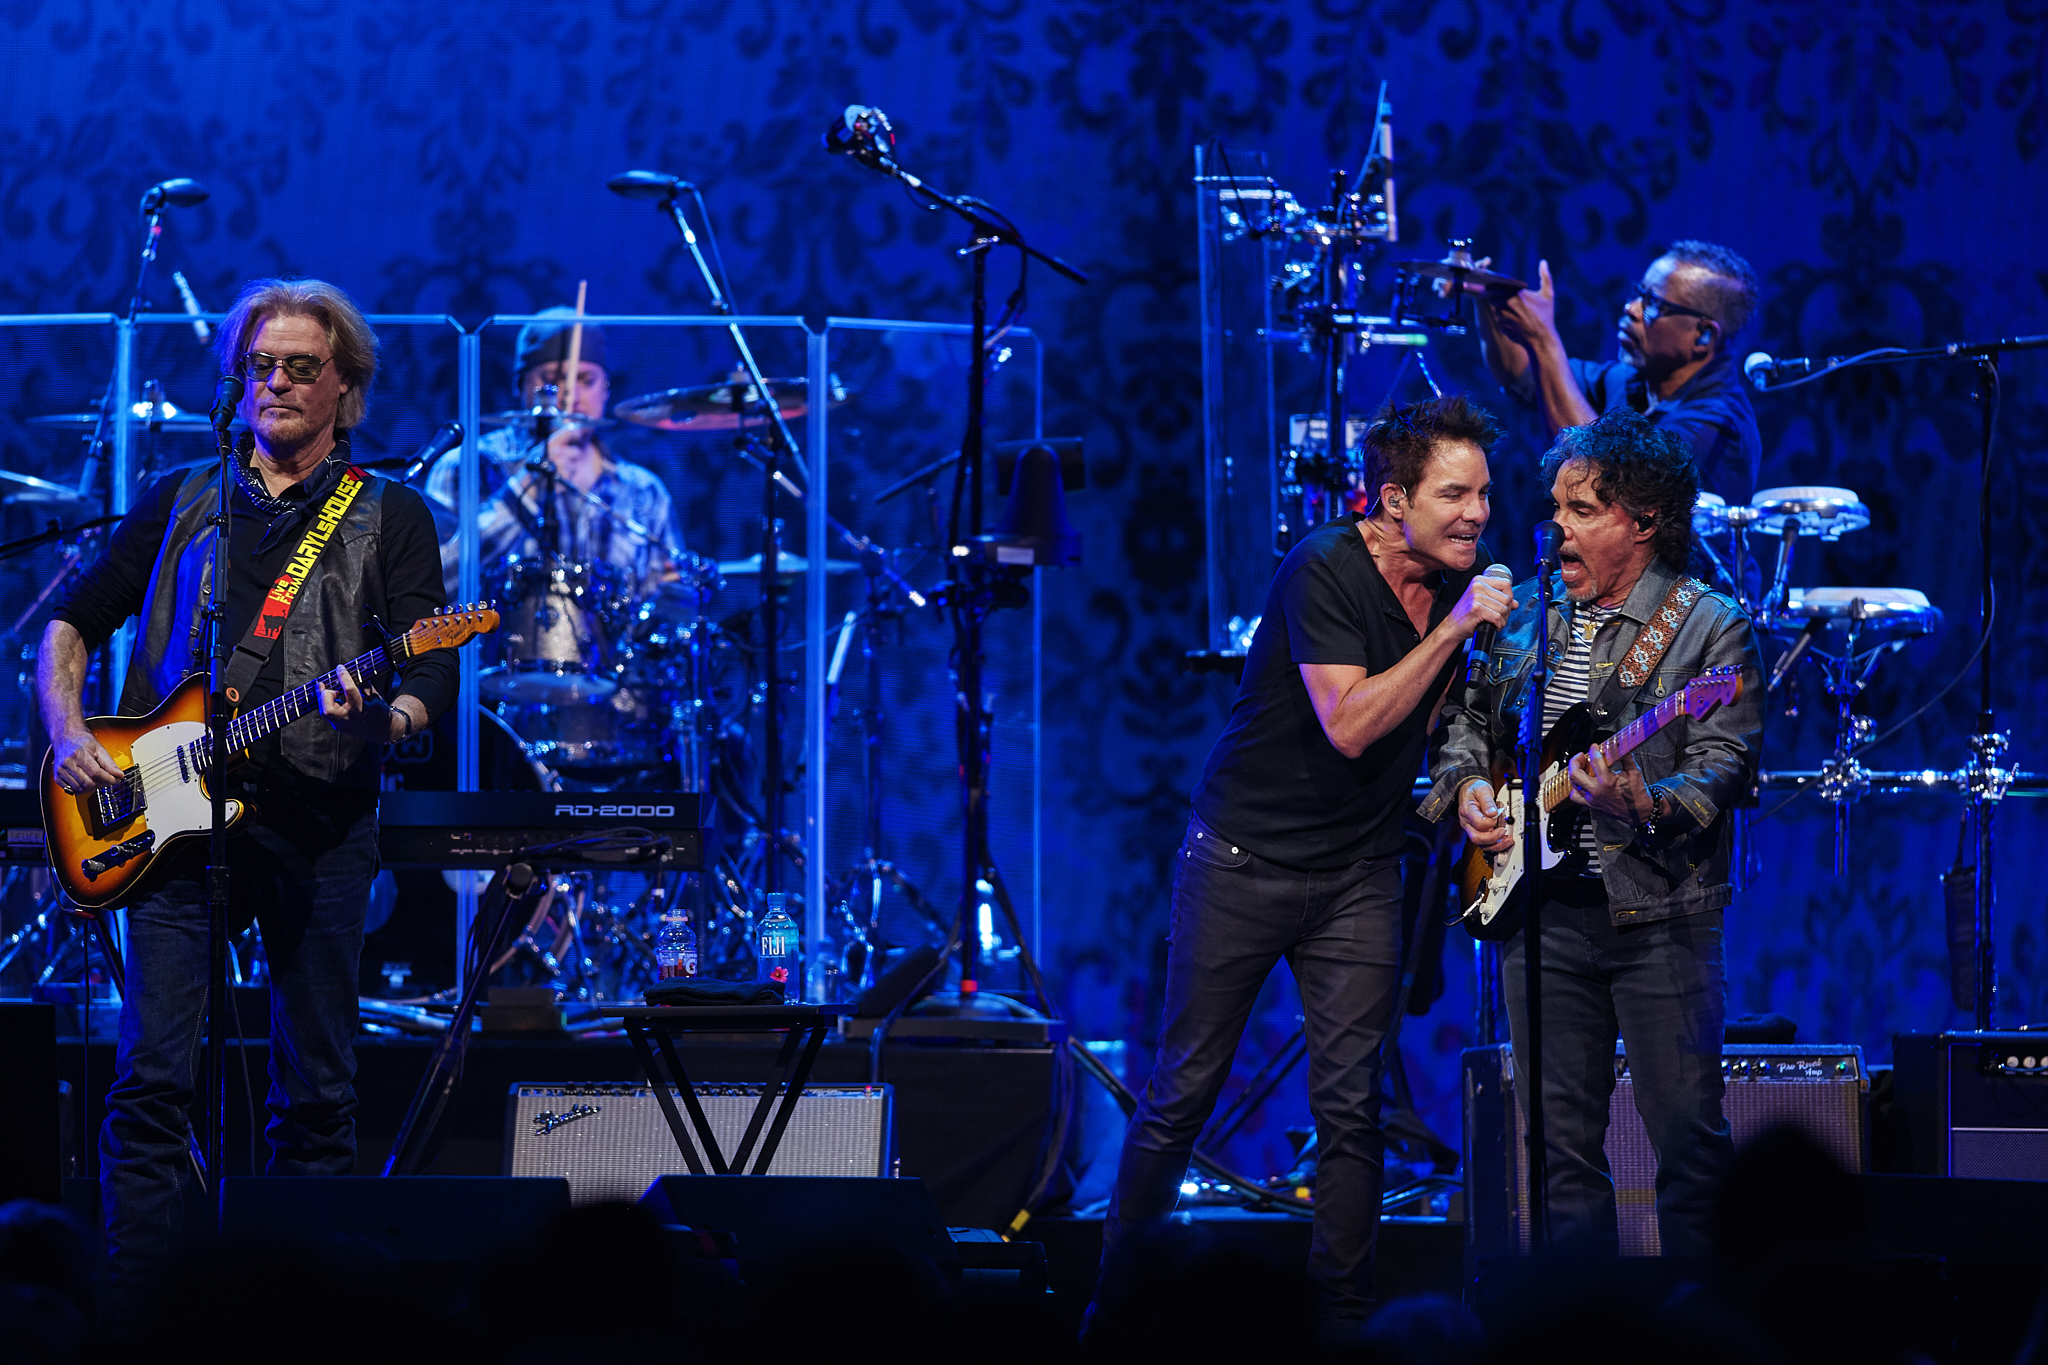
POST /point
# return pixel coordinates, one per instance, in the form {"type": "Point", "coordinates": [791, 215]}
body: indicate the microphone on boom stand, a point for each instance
{"type": "Point", "coordinates": [440, 443]}
{"type": "Point", "coordinates": [227, 396]}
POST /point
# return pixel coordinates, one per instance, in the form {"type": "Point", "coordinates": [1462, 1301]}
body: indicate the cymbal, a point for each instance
{"type": "Point", "coordinates": [709, 407]}
{"type": "Point", "coordinates": [174, 419]}
{"type": "Point", "coordinates": [513, 417]}
{"type": "Point", "coordinates": [42, 490]}
{"type": "Point", "coordinates": [1473, 275]}
{"type": "Point", "coordinates": [787, 565]}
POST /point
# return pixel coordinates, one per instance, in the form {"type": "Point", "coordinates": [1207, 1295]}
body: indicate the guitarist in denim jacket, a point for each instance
{"type": "Point", "coordinates": [1632, 917]}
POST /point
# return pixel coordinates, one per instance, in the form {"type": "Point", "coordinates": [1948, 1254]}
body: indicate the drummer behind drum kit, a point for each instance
{"type": "Point", "coordinates": [1845, 632]}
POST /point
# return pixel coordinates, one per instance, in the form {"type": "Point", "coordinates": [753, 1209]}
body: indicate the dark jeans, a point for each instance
{"type": "Point", "coordinates": [1658, 986]}
{"type": "Point", "coordinates": [1234, 916]}
{"type": "Point", "coordinates": [305, 878]}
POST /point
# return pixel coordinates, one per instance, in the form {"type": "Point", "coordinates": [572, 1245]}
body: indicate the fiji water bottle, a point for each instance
{"type": "Point", "coordinates": [775, 948]}
{"type": "Point", "coordinates": [675, 946]}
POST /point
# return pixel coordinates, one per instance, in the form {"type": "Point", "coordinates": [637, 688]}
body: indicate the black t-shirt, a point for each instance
{"type": "Point", "coordinates": [1274, 783]}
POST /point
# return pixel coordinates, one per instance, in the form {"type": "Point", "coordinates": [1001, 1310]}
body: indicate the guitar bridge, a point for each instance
{"type": "Point", "coordinates": [125, 851]}
{"type": "Point", "coordinates": [114, 805]}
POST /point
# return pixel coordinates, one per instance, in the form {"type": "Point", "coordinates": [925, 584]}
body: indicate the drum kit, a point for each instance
{"type": "Point", "coordinates": [1844, 632]}
{"type": "Point", "coordinates": [596, 683]}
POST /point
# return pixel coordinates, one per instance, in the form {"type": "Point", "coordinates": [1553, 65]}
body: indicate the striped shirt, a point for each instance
{"type": "Point", "coordinates": [587, 532]}
{"type": "Point", "coordinates": [1569, 685]}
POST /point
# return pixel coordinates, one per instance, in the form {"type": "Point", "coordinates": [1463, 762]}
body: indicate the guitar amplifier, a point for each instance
{"type": "Point", "coordinates": [611, 1141]}
{"type": "Point", "coordinates": [1975, 1104]}
{"type": "Point", "coordinates": [1822, 1089]}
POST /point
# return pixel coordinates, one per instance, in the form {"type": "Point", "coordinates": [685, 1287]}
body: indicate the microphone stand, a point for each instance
{"type": "Point", "coordinates": [1985, 779]}
{"type": "Point", "coordinates": [971, 587]}
{"type": "Point", "coordinates": [767, 456]}
{"type": "Point", "coordinates": [214, 1142]}
{"type": "Point", "coordinates": [1531, 757]}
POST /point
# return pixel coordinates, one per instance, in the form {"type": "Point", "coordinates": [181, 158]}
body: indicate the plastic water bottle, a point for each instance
{"type": "Point", "coordinates": [777, 956]}
{"type": "Point", "coordinates": [675, 946]}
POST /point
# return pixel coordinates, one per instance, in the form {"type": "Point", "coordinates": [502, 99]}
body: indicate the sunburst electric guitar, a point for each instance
{"type": "Point", "coordinates": [102, 842]}
{"type": "Point", "coordinates": [1487, 880]}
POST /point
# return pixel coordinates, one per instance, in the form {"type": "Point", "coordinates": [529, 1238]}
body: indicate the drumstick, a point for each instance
{"type": "Point", "coordinates": [575, 348]}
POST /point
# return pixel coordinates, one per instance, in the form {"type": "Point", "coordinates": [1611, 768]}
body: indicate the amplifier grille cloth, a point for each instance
{"type": "Point", "coordinates": [616, 1152]}
{"type": "Point", "coordinates": [1830, 1112]}
{"type": "Point", "coordinates": [1999, 1153]}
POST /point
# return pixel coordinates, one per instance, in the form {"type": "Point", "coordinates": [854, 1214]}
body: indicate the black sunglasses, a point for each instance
{"type": "Point", "coordinates": [1655, 306]}
{"type": "Point", "coordinates": [258, 366]}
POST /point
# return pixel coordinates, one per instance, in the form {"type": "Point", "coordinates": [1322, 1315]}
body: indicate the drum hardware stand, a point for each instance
{"type": "Point", "coordinates": [1313, 476]}
{"type": "Point", "coordinates": [864, 881]}
{"type": "Point", "coordinates": [1983, 778]}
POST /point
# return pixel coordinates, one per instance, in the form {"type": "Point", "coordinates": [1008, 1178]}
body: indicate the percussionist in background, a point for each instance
{"type": "Point", "coordinates": [626, 521]}
{"type": "Point", "coordinates": [1675, 365]}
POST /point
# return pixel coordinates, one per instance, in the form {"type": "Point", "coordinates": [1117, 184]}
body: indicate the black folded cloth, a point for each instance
{"type": "Point", "coordinates": [698, 990]}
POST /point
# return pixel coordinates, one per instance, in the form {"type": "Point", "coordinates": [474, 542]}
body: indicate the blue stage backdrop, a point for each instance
{"type": "Point", "coordinates": [1879, 164]}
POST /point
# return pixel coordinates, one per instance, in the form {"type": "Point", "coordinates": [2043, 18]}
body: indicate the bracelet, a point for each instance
{"type": "Point", "coordinates": [1648, 824]}
{"type": "Point", "coordinates": [405, 716]}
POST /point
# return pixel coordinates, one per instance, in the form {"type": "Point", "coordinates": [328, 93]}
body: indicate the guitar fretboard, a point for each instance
{"type": "Point", "coordinates": [245, 729]}
{"type": "Point", "coordinates": [1558, 786]}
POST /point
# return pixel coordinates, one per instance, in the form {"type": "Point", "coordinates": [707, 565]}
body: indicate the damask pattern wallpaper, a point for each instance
{"type": "Point", "coordinates": [1877, 162]}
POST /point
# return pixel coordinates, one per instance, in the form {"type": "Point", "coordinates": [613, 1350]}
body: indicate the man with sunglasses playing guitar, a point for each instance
{"type": "Point", "coordinates": [1675, 365]}
{"type": "Point", "coordinates": [1631, 920]}
{"type": "Point", "coordinates": [304, 858]}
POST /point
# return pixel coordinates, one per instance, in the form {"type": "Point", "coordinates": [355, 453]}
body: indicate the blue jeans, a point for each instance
{"type": "Point", "coordinates": [1658, 986]}
{"type": "Point", "coordinates": [306, 881]}
{"type": "Point", "coordinates": [1234, 916]}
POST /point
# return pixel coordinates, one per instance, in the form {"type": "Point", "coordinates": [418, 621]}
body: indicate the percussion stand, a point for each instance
{"type": "Point", "coordinates": [1985, 779]}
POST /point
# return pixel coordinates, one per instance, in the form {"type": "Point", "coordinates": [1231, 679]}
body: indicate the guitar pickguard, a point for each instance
{"type": "Point", "coordinates": [177, 801]}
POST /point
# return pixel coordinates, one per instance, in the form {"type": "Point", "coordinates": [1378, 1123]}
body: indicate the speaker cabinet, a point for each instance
{"type": "Point", "coordinates": [1976, 1104]}
{"type": "Point", "coordinates": [1823, 1090]}
{"type": "Point", "coordinates": [610, 1142]}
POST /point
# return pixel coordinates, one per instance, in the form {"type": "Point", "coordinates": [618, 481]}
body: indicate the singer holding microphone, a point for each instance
{"type": "Point", "coordinates": [298, 360]}
{"type": "Point", "coordinates": [1631, 919]}
{"type": "Point", "coordinates": [1293, 848]}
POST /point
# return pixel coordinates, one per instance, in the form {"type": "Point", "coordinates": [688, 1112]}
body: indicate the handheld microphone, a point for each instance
{"type": "Point", "coordinates": [1483, 638]}
{"type": "Point", "coordinates": [199, 327]}
{"type": "Point", "coordinates": [1760, 366]}
{"type": "Point", "coordinates": [1549, 536]}
{"type": "Point", "coordinates": [648, 185]}
{"type": "Point", "coordinates": [178, 194]}
{"type": "Point", "coordinates": [861, 130]}
{"type": "Point", "coordinates": [227, 396]}
{"type": "Point", "coordinates": [445, 439]}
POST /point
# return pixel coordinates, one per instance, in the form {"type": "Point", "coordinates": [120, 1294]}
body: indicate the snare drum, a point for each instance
{"type": "Point", "coordinates": [556, 644]}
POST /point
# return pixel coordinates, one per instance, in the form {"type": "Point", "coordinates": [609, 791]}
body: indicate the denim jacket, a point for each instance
{"type": "Point", "coordinates": [1702, 767]}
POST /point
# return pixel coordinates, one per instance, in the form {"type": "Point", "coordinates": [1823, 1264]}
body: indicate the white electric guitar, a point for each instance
{"type": "Point", "coordinates": [1487, 880]}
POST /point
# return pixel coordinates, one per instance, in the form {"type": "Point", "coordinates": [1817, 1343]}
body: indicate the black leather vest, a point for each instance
{"type": "Point", "coordinates": [325, 628]}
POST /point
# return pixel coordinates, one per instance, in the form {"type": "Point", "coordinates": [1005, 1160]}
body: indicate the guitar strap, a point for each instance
{"type": "Point", "coordinates": [276, 609]}
{"type": "Point", "coordinates": [1639, 664]}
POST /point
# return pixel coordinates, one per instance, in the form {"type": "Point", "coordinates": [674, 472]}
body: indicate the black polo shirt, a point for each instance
{"type": "Point", "coordinates": [1712, 414]}
{"type": "Point", "coordinates": [1274, 783]}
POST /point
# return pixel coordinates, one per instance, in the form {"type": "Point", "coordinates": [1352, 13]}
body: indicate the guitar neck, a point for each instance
{"type": "Point", "coordinates": [279, 712]}
{"type": "Point", "coordinates": [1623, 742]}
